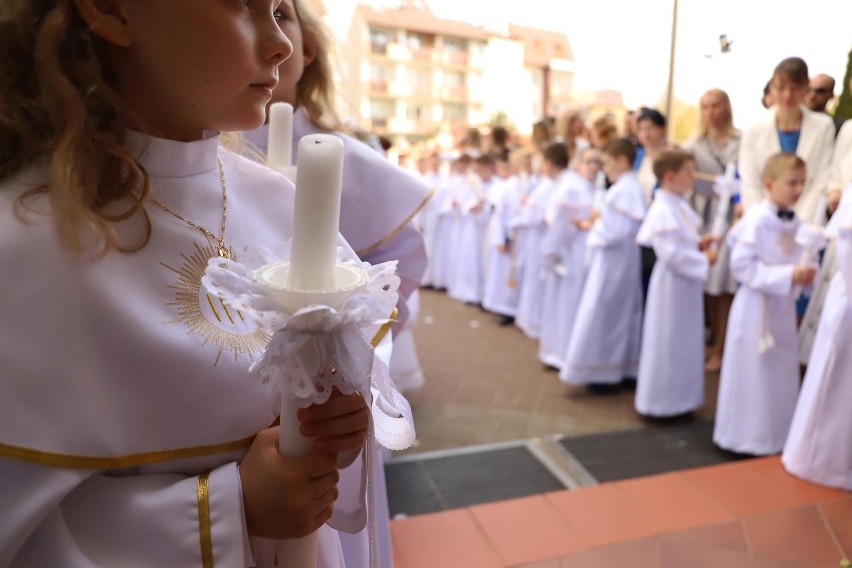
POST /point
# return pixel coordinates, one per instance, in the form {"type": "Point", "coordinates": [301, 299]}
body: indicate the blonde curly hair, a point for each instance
{"type": "Point", "coordinates": [57, 101]}
{"type": "Point", "coordinates": [315, 91]}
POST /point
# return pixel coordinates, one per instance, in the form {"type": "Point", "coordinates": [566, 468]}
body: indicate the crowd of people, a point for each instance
{"type": "Point", "coordinates": [638, 263]}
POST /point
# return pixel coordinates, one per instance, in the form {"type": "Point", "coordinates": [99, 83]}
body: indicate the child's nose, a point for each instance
{"type": "Point", "coordinates": [278, 47]}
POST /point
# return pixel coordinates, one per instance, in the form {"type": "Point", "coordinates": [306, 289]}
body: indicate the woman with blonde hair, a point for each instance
{"type": "Point", "coordinates": [716, 145]}
{"type": "Point", "coordinates": [570, 129]}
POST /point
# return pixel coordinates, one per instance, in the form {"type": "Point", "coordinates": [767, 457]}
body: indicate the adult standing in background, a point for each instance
{"type": "Point", "coordinates": [820, 93]}
{"type": "Point", "coordinates": [716, 146]}
{"type": "Point", "coordinates": [571, 129]}
{"type": "Point", "coordinates": [651, 129]}
{"type": "Point", "coordinates": [789, 127]}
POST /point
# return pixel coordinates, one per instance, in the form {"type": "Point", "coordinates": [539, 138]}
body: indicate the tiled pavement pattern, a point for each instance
{"type": "Point", "coordinates": [484, 385]}
{"type": "Point", "coordinates": [749, 513]}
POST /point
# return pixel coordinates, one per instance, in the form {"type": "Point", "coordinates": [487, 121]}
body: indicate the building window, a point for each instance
{"type": "Point", "coordinates": [379, 39]}
{"type": "Point", "coordinates": [455, 112]}
{"type": "Point", "coordinates": [455, 44]}
{"type": "Point", "coordinates": [414, 112]}
{"type": "Point", "coordinates": [454, 79]}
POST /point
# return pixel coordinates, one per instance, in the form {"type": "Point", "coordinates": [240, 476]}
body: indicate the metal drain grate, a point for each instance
{"type": "Point", "coordinates": [657, 449]}
{"type": "Point", "coordinates": [449, 480]}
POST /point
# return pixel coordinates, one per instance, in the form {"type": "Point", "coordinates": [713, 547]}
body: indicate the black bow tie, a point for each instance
{"type": "Point", "coordinates": [786, 214]}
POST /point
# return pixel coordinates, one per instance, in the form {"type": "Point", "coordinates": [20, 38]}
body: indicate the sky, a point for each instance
{"type": "Point", "coordinates": [624, 44]}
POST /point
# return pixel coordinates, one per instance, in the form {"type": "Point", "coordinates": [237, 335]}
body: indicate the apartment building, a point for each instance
{"type": "Point", "coordinates": [414, 76]}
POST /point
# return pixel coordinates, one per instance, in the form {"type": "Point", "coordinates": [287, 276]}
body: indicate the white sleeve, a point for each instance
{"type": "Point", "coordinates": [408, 248]}
{"type": "Point", "coordinates": [614, 226]}
{"type": "Point", "coordinates": [80, 518]}
{"type": "Point", "coordinates": [821, 165]}
{"type": "Point", "coordinates": [841, 162]}
{"type": "Point", "coordinates": [751, 170]}
{"type": "Point", "coordinates": [687, 261]}
{"type": "Point", "coordinates": [750, 271]}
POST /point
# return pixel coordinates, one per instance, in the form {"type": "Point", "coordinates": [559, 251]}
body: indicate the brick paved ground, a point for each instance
{"type": "Point", "coordinates": [484, 384]}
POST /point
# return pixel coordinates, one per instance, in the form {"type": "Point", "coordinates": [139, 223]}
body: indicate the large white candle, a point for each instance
{"type": "Point", "coordinates": [317, 212]}
{"type": "Point", "coordinates": [279, 152]}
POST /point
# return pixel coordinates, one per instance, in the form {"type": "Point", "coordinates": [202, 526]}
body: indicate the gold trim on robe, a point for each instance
{"type": "Point", "coordinates": [398, 228]}
{"type": "Point", "coordinates": [53, 459]}
{"type": "Point", "coordinates": [205, 532]}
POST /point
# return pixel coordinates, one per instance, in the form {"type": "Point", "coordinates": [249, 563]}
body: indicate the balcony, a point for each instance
{"type": "Point", "coordinates": [379, 124]}
{"type": "Point", "coordinates": [426, 54]}
{"type": "Point", "coordinates": [378, 87]}
{"type": "Point", "coordinates": [398, 52]}
{"type": "Point", "coordinates": [455, 57]}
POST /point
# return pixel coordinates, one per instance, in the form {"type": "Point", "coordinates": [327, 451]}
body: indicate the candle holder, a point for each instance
{"type": "Point", "coordinates": [321, 340]}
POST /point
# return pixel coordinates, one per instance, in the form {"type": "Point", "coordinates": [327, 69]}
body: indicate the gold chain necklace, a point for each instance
{"type": "Point", "coordinates": [223, 251]}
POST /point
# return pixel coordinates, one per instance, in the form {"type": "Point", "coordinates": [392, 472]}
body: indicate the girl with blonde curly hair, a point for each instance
{"type": "Point", "coordinates": [128, 414]}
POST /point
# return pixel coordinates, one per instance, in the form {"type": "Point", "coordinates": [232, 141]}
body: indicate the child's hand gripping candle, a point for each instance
{"type": "Point", "coordinates": [725, 187]}
{"type": "Point", "coordinates": [317, 212]}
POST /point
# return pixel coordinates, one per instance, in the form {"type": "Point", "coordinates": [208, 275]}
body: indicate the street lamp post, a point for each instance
{"type": "Point", "coordinates": [670, 90]}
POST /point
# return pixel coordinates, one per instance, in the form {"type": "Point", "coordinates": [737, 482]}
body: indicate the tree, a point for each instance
{"type": "Point", "coordinates": [844, 105]}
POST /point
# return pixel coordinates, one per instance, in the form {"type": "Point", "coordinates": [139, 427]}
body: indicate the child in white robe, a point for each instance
{"type": "Point", "coordinates": [759, 383]}
{"type": "Point", "coordinates": [671, 363]}
{"type": "Point", "coordinates": [159, 449]}
{"type": "Point", "coordinates": [501, 293]}
{"type": "Point", "coordinates": [469, 284]}
{"type": "Point", "coordinates": [530, 303]}
{"type": "Point", "coordinates": [564, 252]}
{"type": "Point", "coordinates": [818, 447]}
{"type": "Point", "coordinates": [604, 344]}
{"type": "Point", "coordinates": [378, 203]}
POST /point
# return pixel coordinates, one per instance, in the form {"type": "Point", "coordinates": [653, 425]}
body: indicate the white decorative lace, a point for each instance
{"type": "Point", "coordinates": [318, 347]}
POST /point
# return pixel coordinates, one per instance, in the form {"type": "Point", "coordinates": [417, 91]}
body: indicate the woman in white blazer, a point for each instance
{"type": "Point", "coordinates": [789, 126]}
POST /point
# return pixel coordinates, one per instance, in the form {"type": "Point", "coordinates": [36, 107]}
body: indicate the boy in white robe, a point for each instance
{"type": "Point", "coordinates": [468, 284]}
{"type": "Point", "coordinates": [818, 447]}
{"type": "Point", "coordinates": [530, 304]}
{"type": "Point", "coordinates": [501, 293]}
{"type": "Point", "coordinates": [564, 250]}
{"type": "Point", "coordinates": [759, 383]}
{"type": "Point", "coordinates": [671, 364]}
{"type": "Point", "coordinates": [604, 344]}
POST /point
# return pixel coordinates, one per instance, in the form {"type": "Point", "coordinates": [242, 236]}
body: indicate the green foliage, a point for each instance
{"type": "Point", "coordinates": [844, 105]}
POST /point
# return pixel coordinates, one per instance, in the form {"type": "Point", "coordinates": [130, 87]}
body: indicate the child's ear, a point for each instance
{"type": "Point", "coordinates": [105, 18]}
{"type": "Point", "coordinates": [767, 184]}
{"type": "Point", "coordinates": [309, 51]}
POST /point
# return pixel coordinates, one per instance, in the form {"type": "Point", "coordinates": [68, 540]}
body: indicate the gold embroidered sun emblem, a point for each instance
{"type": "Point", "coordinates": [226, 328]}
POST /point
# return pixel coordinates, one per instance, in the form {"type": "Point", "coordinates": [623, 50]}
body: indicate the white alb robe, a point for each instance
{"type": "Point", "coordinates": [563, 249]}
{"type": "Point", "coordinates": [501, 285]}
{"type": "Point", "coordinates": [141, 381]}
{"type": "Point", "coordinates": [427, 222]}
{"type": "Point", "coordinates": [671, 363]}
{"type": "Point", "coordinates": [468, 282]}
{"type": "Point", "coordinates": [819, 446]}
{"type": "Point", "coordinates": [532, 226]}
{"type": "Point", "coordinates": [441, 259]}
{"type": "Point", "coordinates": [758, 391]}
{"type": "Point", "coordinates": [604, 344]}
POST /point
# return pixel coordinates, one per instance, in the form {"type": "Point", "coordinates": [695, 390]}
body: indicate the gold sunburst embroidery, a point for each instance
{"type": "Point", "coordinates": [191, 301]}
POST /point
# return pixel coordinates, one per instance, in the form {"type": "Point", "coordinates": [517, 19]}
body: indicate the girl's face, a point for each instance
{"type": "Point", "coordinates": [292, 69]}
{"type": "Point", "coordinates": [195, 65]}
{"type": "Point", "coordinates": [787, 93]}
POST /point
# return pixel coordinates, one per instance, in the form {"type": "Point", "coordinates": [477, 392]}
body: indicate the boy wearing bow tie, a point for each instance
{"type": "Point", "coordinates": [759, 383]}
